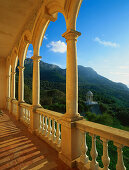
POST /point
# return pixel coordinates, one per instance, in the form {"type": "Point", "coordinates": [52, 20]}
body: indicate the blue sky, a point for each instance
{"type": "Point", "coordinates": [104, 43]}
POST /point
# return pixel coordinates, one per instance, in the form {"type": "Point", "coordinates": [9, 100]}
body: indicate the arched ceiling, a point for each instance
{"type": "Point", "coordinates": [13, 16]}
{"type": "Point", "coordinates": [16, 16]}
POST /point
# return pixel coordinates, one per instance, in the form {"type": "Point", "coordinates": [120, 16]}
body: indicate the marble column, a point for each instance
{"type": "Point", "coordinates": [71, 74]}
{"type": "Point", "coordinates": [13, 84]}
{"type": "Point", "coordinates": [36, 81]}
{"type": "Point", "coordinates": [8, 85]}
{"type": "Point", "coordinates": [21, 84]}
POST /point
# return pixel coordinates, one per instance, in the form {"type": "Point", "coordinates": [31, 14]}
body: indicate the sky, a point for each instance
{"type": "Point", "coordinates": [103, 45]}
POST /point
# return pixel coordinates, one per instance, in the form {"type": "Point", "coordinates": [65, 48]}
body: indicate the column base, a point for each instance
{"type": "Point", "coordinates": [18, 110]}
{"type": "Point", "coordinates": [70, 163]}
{"type": "Point", "coordinates": [34, 118]}
{"type": "Point", "coordinates": [71, 148]}
{"type": "Point", "coordinates": [36, 106]}
{"type": "Point", "coordinates": [71, 118]}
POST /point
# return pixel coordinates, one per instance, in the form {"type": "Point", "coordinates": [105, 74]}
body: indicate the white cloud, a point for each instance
{"type": "Point", "coordinates": [57, 46]}
{"type": "Point", "coordinates": [29, 54]}
{"type": "Point", "coordinates": [45, 37]}
{"type": "Point", "coordinates": [106, 43]}
{"type": "Point", "coordinates": [123, 67]}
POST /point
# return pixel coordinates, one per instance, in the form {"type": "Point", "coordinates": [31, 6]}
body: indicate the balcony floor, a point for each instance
{"type": "Point", "coordinates": [19, 149]}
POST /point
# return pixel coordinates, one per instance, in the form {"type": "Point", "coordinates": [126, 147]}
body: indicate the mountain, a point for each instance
{"type": "Point", "coordinates": [53, 73]}
{"type": "Point", "coordinates": [54, 77]}
{"type": "Point", "coordinates": [113, 98]}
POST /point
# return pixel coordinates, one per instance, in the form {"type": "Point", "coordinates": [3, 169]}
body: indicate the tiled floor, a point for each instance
{"type": "Point", "coordinates": [19, 149]}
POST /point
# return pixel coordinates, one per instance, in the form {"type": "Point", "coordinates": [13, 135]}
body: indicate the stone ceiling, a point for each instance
{"type": "Point", "coordinates": [13, 15]}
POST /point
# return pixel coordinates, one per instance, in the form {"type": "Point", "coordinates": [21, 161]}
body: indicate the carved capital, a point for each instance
{"type": "Point", "coordinates": [21, 68]}
{"type": "Point", "coordinates": [13, 73]}
{"type": "Point", "coordinates": [36, 58]}
{"type": "Point", "coordinates": [71, 35]}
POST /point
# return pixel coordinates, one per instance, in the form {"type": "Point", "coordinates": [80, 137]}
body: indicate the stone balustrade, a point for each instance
{"type": "Point", "coordinates": [50, 127]}
{"type": "Point", "coordinates": [14, 107]}
{"type": "Point", "coordinates": [25, 110]}
{"type": "Point", "coordinates": [8, 103]}
{"type": "Point", "coordinates": [120, 139]}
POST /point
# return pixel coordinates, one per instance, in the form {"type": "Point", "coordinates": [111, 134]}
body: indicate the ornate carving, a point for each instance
{"type": "Point", "coordinates": [71, 35]}
{"type": "Point", "coordinates": [36, 58]}
{"type": "Point", "coordinates": [21, 68]}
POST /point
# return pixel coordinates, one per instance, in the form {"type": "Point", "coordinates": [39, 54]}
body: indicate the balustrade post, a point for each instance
{"type": "Point", "coordinates": [57, 135]}
{"type": "Point", "coordinates": [41, 124]}
{"type": "Point", "coordinates": [50, 129]}
{"type": "Point", "coordinates": [120, 163]}
{"type": "Point", "coordinates": [84, 158]}
{"type": "Point", "coordinates": [46, 127]}
{"type": "Point", "coordinates": [48, 135]}
{"type": "Point", "coordinates": [53, 130]}
{"type": "Point", "coordinates": [105, 157]}
{"type": "Point", "coordinates": [94, 164]}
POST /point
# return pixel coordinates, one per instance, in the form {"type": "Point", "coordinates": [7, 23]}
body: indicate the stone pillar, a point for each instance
{"type": "Point", "coordinates": [34, 118]}
{"type": "Point", "coordinates": [36, 81]}
{"type": "Point", "coordinates": [20, 91]}
{"type": "Point", "coordinates": [13, 85]}
{"type": "Point", "coordinates": [71, 148]}
{"type": "Point", "coordinates": [71, 74]}
{"type": "Point", "coordinates": [12, 90]}
{"type": "Point", "coordinates": [8, 90]}
{"type": "Point", "coordinates": [21, 84]}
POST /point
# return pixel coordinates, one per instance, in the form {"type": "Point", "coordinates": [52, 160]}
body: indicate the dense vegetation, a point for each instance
{"type": "Point", "coordinates": [112, 98]}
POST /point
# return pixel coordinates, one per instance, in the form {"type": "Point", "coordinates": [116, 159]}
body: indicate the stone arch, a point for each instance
{"type": "Point", "coordinates": [72, 13]}
{"type": "Point", "coordinates": [38, 35]}
{"type": "Point", "coordinates": [47, 13]}
{"type": "Point", "coordinates": [56, 6]}
{"type": "Point", "coordinates": [69, 9]}
{"type": "Point", "coordinates": [23, 46]}
{"type": "Point", "coordinates": [8, 66]}
{"type": "Point", "coordinates": [14, 59]}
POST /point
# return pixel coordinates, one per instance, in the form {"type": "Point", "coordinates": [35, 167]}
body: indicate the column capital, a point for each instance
{"type": "Point", "coordinates": [20, 68]}
{"type": "Point", "coordinates": [71, 34]}
{"type": "Point", "coordinates": [13, 72]}
{"type": "Point", "coordinates": [36, 58]}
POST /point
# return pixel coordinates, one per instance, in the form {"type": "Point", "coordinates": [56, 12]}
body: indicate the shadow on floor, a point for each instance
{"type": "Point", "coordinates": [19, 149]}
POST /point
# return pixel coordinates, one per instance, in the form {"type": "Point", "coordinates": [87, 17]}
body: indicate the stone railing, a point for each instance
{"type": "Point", "coordinates": [8, 103]}
{"type": "Point", "coordinates": [50, 127]}
{"type": "Point", "coordinates": [14, 107]}
{"type": "Point", "coordinates": [120, 139]}
{"type": "Point", "coordinates": [25, 110]}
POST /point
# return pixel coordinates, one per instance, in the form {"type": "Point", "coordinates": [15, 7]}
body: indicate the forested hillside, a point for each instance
{"type": "Point", "coordinates": [113, 98]}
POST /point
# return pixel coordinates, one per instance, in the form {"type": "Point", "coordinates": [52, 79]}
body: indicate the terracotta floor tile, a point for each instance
{"type": "Point", "coordinates": [19, 149]}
